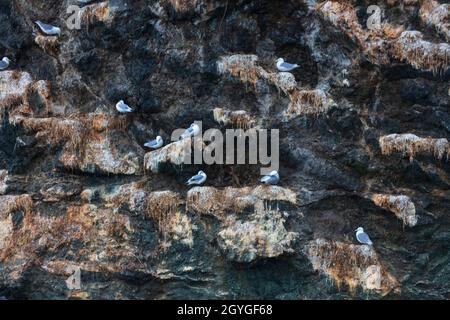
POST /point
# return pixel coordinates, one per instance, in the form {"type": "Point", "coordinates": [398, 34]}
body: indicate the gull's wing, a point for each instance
{"type": "Point", "coordinates": [269, 179]}
{"type": "Point", "coordinates": [44, 27]}
{"type": "Point", "coordinates": [151, 143]}
{"type": "Point", "coordinates": [188, 132]}
{"type": "Point", "coordinates": [124, 107]}
{"type": "Point", "coordinates": [3, 65]}
{"type": "Point", "coordinates": [288, 65]}
{"type": "Point", "coordinates": [195, 179]}
{"type": "Point", "coordinates": [363, 238]}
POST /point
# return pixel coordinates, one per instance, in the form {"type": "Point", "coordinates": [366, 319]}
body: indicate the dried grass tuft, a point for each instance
{"type": "Point", "coordinates": [307, 102]}
{"type": "Point", "coordinates": [49, 44]}
{"type": "Point", "coordinates": [342, 15]}
{"type": "Point", "coordinates": [401, 206]}
{"type": "Point", "coordinates": [238, 119]}
{"type": "Point", "coordinates": [242, 67]}
{"type": "Point", "coordinates": [219, 202]}
{"type": "Point", "coordinates": [437, 15]}
{"type": "Point", "coordinates": [3, 181]}
{"type": "Point", "coordinates": [14, 88]}
{"type": "Point", "coordinates": [422, 54]}
{"type": "Point", "coordinates": [100, 122]}
{"type": "Point", "coordinates": [264, 235]}
{"type": "Point", "coordinates": [75, 130]}
{"type": "Point", "coordinates": [95, 12]}
{"type": "Point", "coordinates": [55, 130]}
{"type": "Point", "coordinates": [183, 6]}
{"type": "Point", "coordinates": [9, 204]}
{"type": "Point", "coordinates": [389, 41]}
{"type": "Point", "coordinates": [161, 206]}
{"type": "Point", "coordinates": [411, 145]}
{"type": "Point", "coordinates": [351, 265]}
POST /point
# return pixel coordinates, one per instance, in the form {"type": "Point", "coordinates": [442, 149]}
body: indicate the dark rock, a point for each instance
{"type": "Point", "coordinates": [88, 63]}
{"type": "Point", "coordinates": [415, 91]}
{"type": "Point", "coordinates": [358, 160]}
{"type": "Point", "coordinates": [323, 169]}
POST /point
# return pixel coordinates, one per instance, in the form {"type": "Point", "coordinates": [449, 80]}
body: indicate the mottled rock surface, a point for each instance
{"type": "Point", "coordinates": [87, 213]}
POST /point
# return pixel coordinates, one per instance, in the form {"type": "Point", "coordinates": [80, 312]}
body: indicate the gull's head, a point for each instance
{"type": "Point", "coordinates": [6, 59]}
{"type": "Point", "coordinates": [274, 173]}
{"type": "Point", "coordinates": [158, 139]}
{"type": "Point", "coordinates": [201, 173]}
{"type": "Point", "coordinates": [280, 60]}
{"type": "Point", "coordinates": [120, 102]}
{"type": "Point", "coordinates": [360, 229]}
{"type": "Point", "coordinates": [58, 31]}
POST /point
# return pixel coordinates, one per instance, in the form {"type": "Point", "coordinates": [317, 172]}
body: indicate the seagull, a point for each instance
{"type": "Point", "coordinates": [4, 63]}
{"type": "Point", "coordinates": [192, 131]}
{"type": "Point", "coordinates": [284, 66]}
{"type": "Point", "coordinates": [272, 178]}
{"type": "Point", "coordinates": [363, 237]}
{"type": "Point", "coordinates": [48, 29]}
{"type": "Point", "coordinates": [122, 107]}
{"type": "Point", "coordinates": [346, 83]}
{"type": "Point", "coordinates": [198, 179]}
{"type": "Point", "coordinates": [155, 144]}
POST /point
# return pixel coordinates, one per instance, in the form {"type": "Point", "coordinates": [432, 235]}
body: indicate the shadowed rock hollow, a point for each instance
{"type": "Point", "coordinates": [364, 126]}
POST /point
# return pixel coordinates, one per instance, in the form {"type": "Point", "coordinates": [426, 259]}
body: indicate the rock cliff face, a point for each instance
{"type": "Point", "coordinates": [87, 213]}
